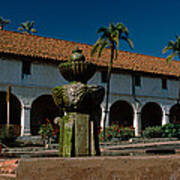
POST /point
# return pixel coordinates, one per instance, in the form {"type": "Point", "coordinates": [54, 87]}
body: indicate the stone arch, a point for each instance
{"type": "Point", "coordinates": [151, 115]}
{"type": "Point", "coordinates": [42, 107]}
{"type": "Point", "coordinates": [15, 111]}
{"type": "Point", "coordinates": [121, 113]}
{"type": "Point", "coordinates": [174, 115]}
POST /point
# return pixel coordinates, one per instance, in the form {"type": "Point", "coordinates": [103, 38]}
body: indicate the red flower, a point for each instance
{"type": "Point", "coordinates": [47, 121]}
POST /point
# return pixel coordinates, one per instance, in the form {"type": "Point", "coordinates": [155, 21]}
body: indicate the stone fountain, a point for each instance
{"type": "Point", "coordinates": [79, 101]}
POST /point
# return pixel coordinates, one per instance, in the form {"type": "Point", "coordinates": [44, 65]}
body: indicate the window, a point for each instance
{"type": "Point", "coordinates": [103, 76]}
{"type": "Point", "coordinates": [137, 80]}
{"type": "Point", "coordinates": [26, 68]}
{"type": "Point", "coordinates": [164, 83]}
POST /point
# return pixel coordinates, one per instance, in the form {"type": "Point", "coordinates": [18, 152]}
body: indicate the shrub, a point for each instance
{"type": "Point", "coordinates": [8, 134]}
{"type": "Point", "coordinates": [117, 132]}
{"type": "Point", "coordinates": [171, 130]}
{"type": "Point", "coordinates": [153, 132]}
{"type": "Point", "coordinates": [127, 133]}
{"type": "Point", "coordinates": [48, 132]}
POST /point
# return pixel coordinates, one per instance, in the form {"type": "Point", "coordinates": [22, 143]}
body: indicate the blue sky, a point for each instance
{"type": "Point", "coordinates": [152, 23]}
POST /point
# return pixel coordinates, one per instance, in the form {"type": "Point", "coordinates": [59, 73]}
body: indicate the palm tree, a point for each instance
{"type": "Point", "coordinates": [27, 27]}
{"type": "Point", "coordinates": [3, 22]}
{"type": "Point", "coordinates": [174, 47]}
{"type": "Point", "coordinates": [110, 39]}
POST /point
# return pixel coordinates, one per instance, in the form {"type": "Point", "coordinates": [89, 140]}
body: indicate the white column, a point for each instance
{"type": "Point", "coordinates": [165, 118]}
{"type": "Point", "coordinates": [107, 118]}
{"type": "Point", "coordinates": [25, 120]}
{"type": "Point", "coordinates": [102, 118]}
{"type": "Point", "coordinates": [137, 123]}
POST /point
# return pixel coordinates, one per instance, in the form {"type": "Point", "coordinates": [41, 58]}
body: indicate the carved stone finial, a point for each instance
{"type": "Point", "coordinates": [77, 69]}
{"type": "Point", "coordinates": [77, 55]}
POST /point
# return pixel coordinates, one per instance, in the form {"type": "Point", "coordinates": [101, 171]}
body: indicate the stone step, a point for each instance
{"type": "Point", "coordinates": [29, 149]}
{"type": "Point", "coordinates": [7, 177]}
{"type": "Point", "coordinates": [46, 153]}
{"type": "Point", "coordinates": [175, 144]}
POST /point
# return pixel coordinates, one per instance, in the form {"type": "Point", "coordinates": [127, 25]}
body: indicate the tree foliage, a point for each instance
{"type": "Point", "coordinates": [110, 38]}
{"type": "Point", "coordinates": [3, 22]}
{"type": "Point", "coordinates": [27, 27]}
{"type": "Point", "coordinates": [173, 46]}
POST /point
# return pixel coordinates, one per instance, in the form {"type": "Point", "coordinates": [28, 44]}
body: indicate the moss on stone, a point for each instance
{"type": "Point", "coordinates": [77, 71]}
{"type": "Point", "coordinates": [57, 93]}
{"type": "Point", "coordinates": [65, 138]}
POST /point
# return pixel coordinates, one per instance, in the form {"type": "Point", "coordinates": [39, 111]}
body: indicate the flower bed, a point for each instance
{"type": "Point", "coordinates": [115, 132]}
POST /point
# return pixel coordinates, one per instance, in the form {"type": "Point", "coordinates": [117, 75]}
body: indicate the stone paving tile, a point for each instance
{"type": "Point", "coordinates": [8, 166]}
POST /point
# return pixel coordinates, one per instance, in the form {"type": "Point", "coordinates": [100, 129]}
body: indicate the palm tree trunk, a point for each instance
{"type": "Point", "coordinates": [179, 90]}
{"type": "Point", "coordinates": [8, 106]}
{"type": "Point", "coordinates": [179, 81]}
{"type": "Point", "coordinates": [108, 89]}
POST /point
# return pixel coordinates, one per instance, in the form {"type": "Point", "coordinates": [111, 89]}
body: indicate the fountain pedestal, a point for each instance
{"type": "Point", "coordinates": [78, 130]}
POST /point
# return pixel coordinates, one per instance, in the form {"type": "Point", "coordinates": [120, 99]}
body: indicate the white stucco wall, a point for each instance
{"type": "Point", "coordinates": [153, 87]}
{"type": "Point", "coordinates": [121, 84]}
{"type": "Point", "coordinates": [10, 71]}
{"type": "Point", "coordinates": [45, 76]}
{"type": "Point", "coordinates": [42, 79]}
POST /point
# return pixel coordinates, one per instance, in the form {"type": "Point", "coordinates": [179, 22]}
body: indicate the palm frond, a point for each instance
{"type": "Point", "coordinates": [170, 57]}
{"type": "Point", "coordinates": [178, 42]}
{"type": "Point", "coordinates": [95, 48]}
{"type": "Point", "coordinates": [27, 27]}
{"type": "Point", "coordinates": [111, 27]}
{"type": "Point", "coordinates": [20, 29]}
{"type": "Point", "coordinates": [101, 30]}
{"type": "Point", "coordinates": [102, 46]}
{"type": "Point", "coordinates": [166, 49]}
{"type": "Point", "coordinates": [122, 28]}
{"type": "Point", "coordinates": [112, 34]}
{"type": "Point", "coordinates": [33, 30]}
{"type": "Point", "coordinates": [129, 41]}
{"type": "Point", "coordinates": [170, 46]}
{"type": "Point", "coordinates": [28, 24]}
{"type": "Point", "coordinates": [23, 25]}
{"type": "Point", "coordinates": [4, 22]}
{"type": "Point", "coordinates": [116, 38]}
{"type": "Point", "coordinates": [32, 24]}
{"type": "Point", "coordinates": [171, 43]}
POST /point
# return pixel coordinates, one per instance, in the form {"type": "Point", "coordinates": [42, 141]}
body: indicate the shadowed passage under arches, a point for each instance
{"type": "Point", "coordinates": [42, 108]}
{"type": "Point", "coordinates": [121, 113]}
{"type": "Point", "coordinates": [175, 114]}
{"type": "Point", "coordinates": [151, 115]}
{"type": "Point", "coordinates": [15, 111]}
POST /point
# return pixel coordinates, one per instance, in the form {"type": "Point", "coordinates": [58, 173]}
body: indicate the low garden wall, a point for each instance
{"type": "Point", "coordinates": [100, 168]}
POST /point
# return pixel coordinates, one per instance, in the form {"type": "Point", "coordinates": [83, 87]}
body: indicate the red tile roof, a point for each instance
{"type": "Point", "coordinates": [59, 50]}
